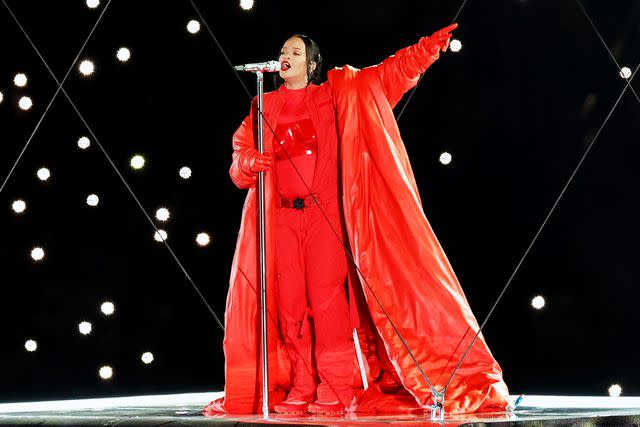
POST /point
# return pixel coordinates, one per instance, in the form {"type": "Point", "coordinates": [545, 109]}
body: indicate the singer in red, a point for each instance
{"type": "Point", "coordinates": [348, 248]}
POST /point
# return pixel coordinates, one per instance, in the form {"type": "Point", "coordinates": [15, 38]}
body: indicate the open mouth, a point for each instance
{"type": "Point", "coordinates": [285, 65]}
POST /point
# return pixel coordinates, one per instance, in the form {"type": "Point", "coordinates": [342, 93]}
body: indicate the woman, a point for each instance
{"type": "Point", "coordinates": [337, 176]}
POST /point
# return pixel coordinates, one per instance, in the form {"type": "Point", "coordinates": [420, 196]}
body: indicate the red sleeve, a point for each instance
{"type": "Point", "coordinates": [243, 149]}
{"type": "Point", "coordinates": [400, 72]}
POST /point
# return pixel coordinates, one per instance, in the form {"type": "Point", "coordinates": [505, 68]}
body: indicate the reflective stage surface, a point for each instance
{"type": "Point", "coordinates": [185, 409]}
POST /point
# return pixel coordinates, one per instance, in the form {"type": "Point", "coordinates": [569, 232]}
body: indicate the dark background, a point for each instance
{"type": "Point", "coordinates": [516, 107]}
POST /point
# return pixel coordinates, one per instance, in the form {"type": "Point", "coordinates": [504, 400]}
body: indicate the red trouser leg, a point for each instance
{"type": "Point", "coordinates": [292, 303]}
{"type": "Point", "coordinates": [312, 269]}
{"type": "Point", "coordinates": [326, 273]}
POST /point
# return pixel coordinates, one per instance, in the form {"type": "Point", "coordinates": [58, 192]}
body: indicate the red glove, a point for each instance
{"type": "Point", "coordinates": [439, 41]}
{"type": "Point", "coordinates": [257, 162]}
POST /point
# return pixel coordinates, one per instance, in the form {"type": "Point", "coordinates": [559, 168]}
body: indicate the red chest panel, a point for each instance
{"type": "Point", "coordinates": [297, 139]}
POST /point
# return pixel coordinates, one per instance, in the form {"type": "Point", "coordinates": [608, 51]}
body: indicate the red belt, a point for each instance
{"type": "Point", "coordinates": [299, 203]}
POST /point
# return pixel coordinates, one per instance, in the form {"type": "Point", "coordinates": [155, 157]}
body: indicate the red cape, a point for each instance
{"type": "Point", "coordinates": [393, 246]}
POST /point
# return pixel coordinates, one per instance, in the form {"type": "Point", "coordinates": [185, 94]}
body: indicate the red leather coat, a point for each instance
{"type": "Point", "coordinates": [391, 240]}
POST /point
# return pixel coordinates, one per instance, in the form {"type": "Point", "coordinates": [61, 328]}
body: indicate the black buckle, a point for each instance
{"type": "Point", "coordinates": [298, 203]}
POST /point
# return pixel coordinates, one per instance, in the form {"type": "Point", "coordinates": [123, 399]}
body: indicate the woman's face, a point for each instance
{"type": "Point", "coordinates": [293, 60]}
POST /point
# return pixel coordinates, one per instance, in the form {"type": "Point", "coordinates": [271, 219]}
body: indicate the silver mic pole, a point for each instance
{"type": "Point", "coordinates": [260, 68]}
{"type": "Point", "coordinates": [263, 262]}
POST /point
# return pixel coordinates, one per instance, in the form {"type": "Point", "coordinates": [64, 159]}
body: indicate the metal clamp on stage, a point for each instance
{"type": "Point", "coordinates": [437, 408]}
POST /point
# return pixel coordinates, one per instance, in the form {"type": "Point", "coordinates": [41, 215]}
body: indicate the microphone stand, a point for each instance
{"type": "Point", "coordinates": [259, 69]}
{"type": "Point", "coordinates": [263, 262]}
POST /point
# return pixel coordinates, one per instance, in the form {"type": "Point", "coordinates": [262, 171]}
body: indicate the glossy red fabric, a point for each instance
{"type": "Point", "coordinates": [296, 151]}
{"type": "Point", "coordinates": [393, 245]}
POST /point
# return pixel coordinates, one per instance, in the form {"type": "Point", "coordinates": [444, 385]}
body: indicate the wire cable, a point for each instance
{"type": "Point", "coordinates": [404, 107]}
{"type": "Point", "coordinates": [628, 86]}
{"type": "Point", "coordinates": [593, 25]}
{"type": "Point", "coordinates": [24, 148]}
{"type": "Point", "coordinates": [535, 238]}
{"type": "Point", "coordinates": [95, 138]}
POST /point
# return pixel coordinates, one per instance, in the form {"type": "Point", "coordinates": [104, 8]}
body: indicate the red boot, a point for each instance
{"type": "Point", "coordinates": [332, 408]}
{"type": "Point", "coordinates": [291, 406]}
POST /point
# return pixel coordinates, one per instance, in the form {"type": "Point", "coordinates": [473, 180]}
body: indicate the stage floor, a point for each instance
{"type": "Point", "coordinates": [185, 409]}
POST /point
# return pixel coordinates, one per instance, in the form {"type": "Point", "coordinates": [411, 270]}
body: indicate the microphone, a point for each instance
{"type": "Point", "coordinates": [264, 67]}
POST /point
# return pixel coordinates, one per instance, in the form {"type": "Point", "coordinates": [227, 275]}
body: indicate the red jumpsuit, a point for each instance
{"type": "Point", "coordinates": [311, 264]}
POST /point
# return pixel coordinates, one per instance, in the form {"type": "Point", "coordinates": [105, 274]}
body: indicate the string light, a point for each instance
{"type": "Point", "coordinates": [538, 302]}
{"type": "Point", "coordinates": [445, 158]}
{"type": "Point", "coordinates": [246, 4]}
{"type": "Point", "coordinates": [92, 4]}
{"type": "Point", "coordinates": [37, 254]}
{"type": "Point", "coordinates": [20, 80]}
{"type": "Point", "coordinates": [19, 206]}
{"type": "Point", "coordinates": [625, 72]}
{"type": "Point", "coordinates": [31, 345]}
{"type": "Point", "coordinates": [147, 357]}
{"type": "Point", "coordinates": [25, 103]}
{"type": "Point", "coordinates": [123, 54]}
{"type": "Point", "coordinates": [1, 97]}
{"type": "Point", "coordinates": [185, 172]}
{"type": "Point", "coordinates": [43, 174]}
{"type": "Point", "coordinates": [137, 162]}
{"type": "Point", "coordinates": [85, 328]}
{"type": "Point", "coordinates": [193, 26]}
{"type": "Point", "coordinates": [455, 45]}
{"type": "Point", "coordinates": [160, 236]}
{"type": "Point", "coordinates": [87, 67]}
{"type": "Point", "coordinates": [162, 214]}
{"type": "Point", "coordinates": [106, 372]}
{"type": "Point", "coordinates": [107, 308]}
{"type": "Point", "coordinates": [615, 390]}
{"type": "Point", "coordinates": [93, 200]}
{"type": "Point", "coordinates": [84, 142]}
{"type": "Point", "coordinates": [203, 239]}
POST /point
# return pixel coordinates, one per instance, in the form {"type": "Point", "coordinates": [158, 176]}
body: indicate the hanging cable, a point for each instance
{"type": "Point", "coordinates": [628, 86]}
{"type": "Point", "coordinates": [457, 15]}
{"type": "Point", "coordinates": [95, 138]}
{"type": "Point", "coordinates": [595, 29]}
{"type": "Point", "coordinates": [404, 107]}
{"type": "Point", "coordinates": [504, 289]}
{"type": "Point", "coordinates": [26, 145]}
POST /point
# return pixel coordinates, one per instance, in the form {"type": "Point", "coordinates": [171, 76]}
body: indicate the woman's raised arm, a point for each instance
{"type": "Point", "coordinates": [400, 72]}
